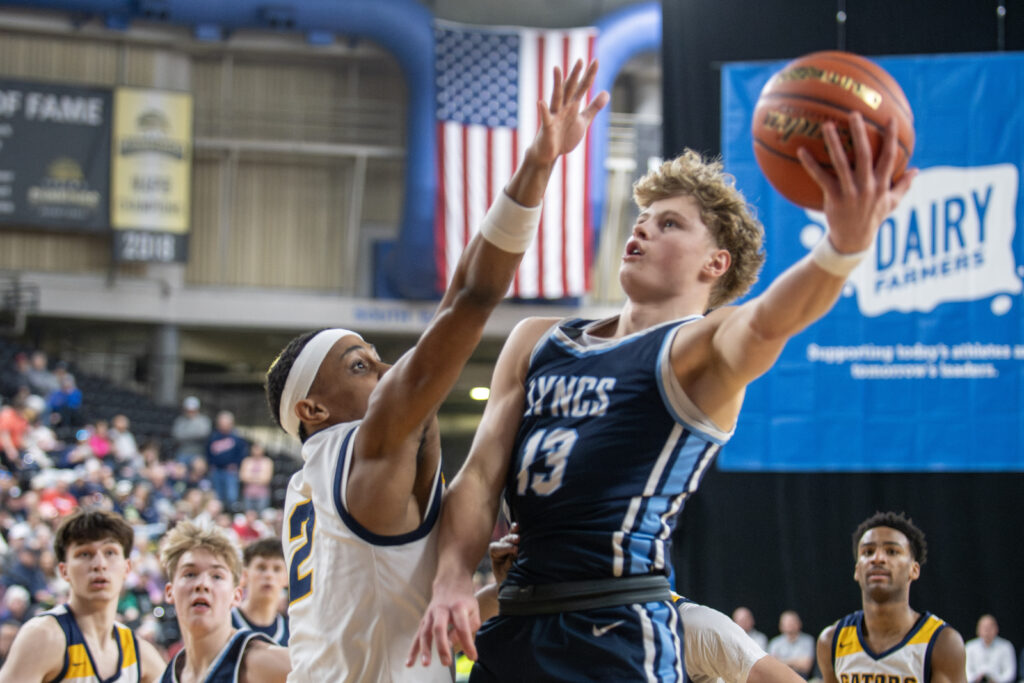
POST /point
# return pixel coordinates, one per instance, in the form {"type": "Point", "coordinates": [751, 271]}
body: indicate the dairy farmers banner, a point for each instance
{"type": "Point", "coordinates": [54, 156]}
{"type": "Point", "coordinates": [919, 365]}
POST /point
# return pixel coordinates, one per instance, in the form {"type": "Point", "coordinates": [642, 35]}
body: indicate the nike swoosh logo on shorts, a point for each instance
{"type": "Point", "coordinates": [598, 632]}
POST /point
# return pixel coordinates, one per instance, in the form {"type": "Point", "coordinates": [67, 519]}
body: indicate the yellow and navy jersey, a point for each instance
{"type": "Point", "coordinates": [608, 450]}
{"type": "Point", "coordinates": [909, 661]}
{"type": "Point", "coordinates": [79, 665]}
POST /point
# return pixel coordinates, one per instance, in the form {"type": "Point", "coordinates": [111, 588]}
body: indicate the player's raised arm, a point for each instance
{"type": "Point", "coordinates": [421, 379]}
{"type": "Point", "coordinates": [749, 338]}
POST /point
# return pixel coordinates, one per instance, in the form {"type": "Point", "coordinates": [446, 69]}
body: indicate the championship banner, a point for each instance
{"type": "Point", "coordinates": [54, 156]}
{"type": "Point", "coordinates": [919, 366]}
{"type": "Point", "coordinates": [152, 163]}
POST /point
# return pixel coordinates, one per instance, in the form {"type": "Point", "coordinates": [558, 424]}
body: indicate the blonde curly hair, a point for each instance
{"type": "Point", "coordinates": [723, 209]}
{"type": "Point", "coordinates": [189, 535]}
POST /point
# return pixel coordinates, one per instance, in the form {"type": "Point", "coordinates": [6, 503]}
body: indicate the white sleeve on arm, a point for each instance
{"type": "Point", "coordinates": [715, 647]}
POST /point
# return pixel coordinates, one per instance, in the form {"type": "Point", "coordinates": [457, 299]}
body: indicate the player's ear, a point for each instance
{"type": "Point", "coordinates": [311, 412]}
{"type": "Point", "coordinates": [168, 595]}
{"type": "Point", "coordinates": [718, 263]}
{"type": "Point", "coordinates": [62, 569]}
{"type": "Point", "coordinates": [236, 600]}
{"type": "Point", "coordinates": [915, 571]}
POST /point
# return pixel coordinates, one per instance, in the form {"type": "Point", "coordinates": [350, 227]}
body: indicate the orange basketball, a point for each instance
{"type": "Point", "coordinates": [820, 87]}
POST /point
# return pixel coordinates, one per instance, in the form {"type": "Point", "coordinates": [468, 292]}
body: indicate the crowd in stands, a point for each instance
{"type": "Point", "coordinates": [59, 449]}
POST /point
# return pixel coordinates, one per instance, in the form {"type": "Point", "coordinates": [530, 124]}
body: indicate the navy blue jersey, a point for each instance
{"type": "Point", "coordinates": [228, 664]}
{"type": "Point", "coordinates": [277, 630]}
{"type": "Point", "coordinates": [607, 452]}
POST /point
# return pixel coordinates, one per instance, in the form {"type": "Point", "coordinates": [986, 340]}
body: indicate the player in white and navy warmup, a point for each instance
{"type": "Point", "coordinates": [599, 430]}
{"type": "Point", "coordinates": [887, 639]}
{"type": "Point", "coordinates": [359, 531]}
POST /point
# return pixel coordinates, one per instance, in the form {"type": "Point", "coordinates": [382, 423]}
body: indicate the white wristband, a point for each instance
{"type": "Point", "coordinates": [831, 261]}
{"type": "Point", "coordinates": [509, 225]}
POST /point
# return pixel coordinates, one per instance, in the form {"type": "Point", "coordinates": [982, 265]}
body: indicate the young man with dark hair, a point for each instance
{"type": "Point", "coordinates": [203, 568]}
{"type": "Point", "coordinates": [81, 641]}
{"type": "Point", "coordinates": [264, 579]}
{"type": "Point", "coordinates": [360, 516]}
{"type": "Point", "coordinates": [887, 637]}
{"type": "Point", "coordinates": [597, 431]}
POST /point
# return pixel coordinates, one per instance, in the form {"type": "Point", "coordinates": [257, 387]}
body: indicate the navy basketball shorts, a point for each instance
{"type": "Point", "coordinates": [622, 643]}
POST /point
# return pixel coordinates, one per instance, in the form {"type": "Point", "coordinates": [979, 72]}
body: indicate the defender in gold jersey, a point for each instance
{"type": "Point", "coordinates": [887, 641]}
{"type": "Point", "coordinates": [81, 642]}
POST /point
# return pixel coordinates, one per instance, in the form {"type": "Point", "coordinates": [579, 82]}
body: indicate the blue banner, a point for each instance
{"type": "Point", "coordinates": [919, 366]}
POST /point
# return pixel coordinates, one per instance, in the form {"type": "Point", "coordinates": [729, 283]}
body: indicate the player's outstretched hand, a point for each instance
{"type": "Point", "coordinates": [503, 552]}
{"type": "Point", "coordinates": [563, 123]}
{"type": "Point", "coordinates": [859, 196]}
{"type": "Point", "coordinates": [452, 617]}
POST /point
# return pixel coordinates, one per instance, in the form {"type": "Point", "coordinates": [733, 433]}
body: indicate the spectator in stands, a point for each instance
{"type": "Point", "coordinates": [56, 500]}
{"type": "Point", "coordinates": [24, 571]}
{"type": "Point", "coordinates": [123, 444]}
{"type": "Point", "coordinates": [792, 646]}
{"type": "Point", "coordinates": [40, 380]}
{"type": "Point", "coordinates": [14, 424]}
{"type": "Point", "coordinates": [199, 475]}
{"type": "Point", "coordinates": [744, 618]}
{"type": "Point", "coordinates": [990, 659]}
{"type": "Point", "coordinates": [99, 439]}
{"type": "Point", "coordinates": [15, 377]}
{"type": "Point", "coordinates": [190, 431]}
{"type": "Point", "coordinates": [66, 406]}
{"type": "Point", "coordinates": [40, 444]}
{"type": "Point", "coordinates": [256, 473]}
{"type": "Point", "coordinates": [79, 453]}
{"type": "Point", "coordinates": [16, 606]}
{"type": "Point", "coordinates": [8, 629]}
{"type": "Point", "coordinates": [225, 451]}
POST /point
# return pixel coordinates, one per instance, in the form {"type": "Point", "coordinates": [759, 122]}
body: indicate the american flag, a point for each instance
{"type": "Point", "coordinates": [488, 83]}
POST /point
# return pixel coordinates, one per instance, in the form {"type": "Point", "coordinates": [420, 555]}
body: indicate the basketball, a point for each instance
{"type": "Point", "coordinates": [820, 87]}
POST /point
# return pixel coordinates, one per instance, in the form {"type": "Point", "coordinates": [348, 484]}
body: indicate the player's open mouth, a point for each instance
{"type": "Point", "coordinates": [200, 603]}
{"type": "Point", "coordinates": [633, 248]}
{"type": "Point", "coordinates": [99, 583]}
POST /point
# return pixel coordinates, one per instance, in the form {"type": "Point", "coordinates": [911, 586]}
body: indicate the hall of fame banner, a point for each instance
{"type": "Point", "coordinates": [919, 365]}
{"type": "Point", "coordinates": [54, 156]}
{"type": "Point", "coordinates": [152, 162]}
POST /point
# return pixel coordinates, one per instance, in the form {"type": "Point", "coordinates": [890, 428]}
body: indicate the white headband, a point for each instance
{"type": "Point", "coordinates": [303, 372]}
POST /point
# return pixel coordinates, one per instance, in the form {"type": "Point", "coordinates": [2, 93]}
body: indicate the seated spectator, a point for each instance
{"type": "Point", "coordinates": [255, 474]}
{"type": "Point", "coordinates": [99, 439]}
{"type": "Point", "coordinates": [190, 431]}
{"type": "Point", "coordinates": [24, 571]}
{"type": "Point", "coordinates": [16, 606]}
{"type": "Point", "coordinates": [40, 444]}
{"type": "Point", "coordinates": [14, 424]}
{"type": "Point", "coordinates": [79, 453]}
{"type": "Point", "coordinates": [123, 444]}
{"type": "Point", "coordinates": [40, 380]}
{"type": "Point", "coordinates": [15, 377]}
{"type": "Point", "coordinates": [198, 475]}
{"type": "Point", "coordinates": [66, 406]}
{"type": "Point", "coordinates": [56, 499]}
{"type": "Point", "coordinates": [793, 647]}
{"type": "Point", "coordinates": [990, 659]}
{"type": "Point", "coordinates": [744, 618]}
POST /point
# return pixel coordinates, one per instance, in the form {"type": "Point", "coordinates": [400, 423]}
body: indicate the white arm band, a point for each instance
{"type": "Point", "coordinates": [509, 225]}
{"type": "Point", "coordinates": [831, 261]}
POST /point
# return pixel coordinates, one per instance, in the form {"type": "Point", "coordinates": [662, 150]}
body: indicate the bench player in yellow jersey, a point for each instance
{"type": "Point", "coordinates": [81, 642]}
{"type": "Point", "coordinates": [887, 641]}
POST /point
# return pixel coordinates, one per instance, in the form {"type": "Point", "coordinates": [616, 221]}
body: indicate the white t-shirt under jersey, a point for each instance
{"type": "Point", "coordinates": [715, 649]}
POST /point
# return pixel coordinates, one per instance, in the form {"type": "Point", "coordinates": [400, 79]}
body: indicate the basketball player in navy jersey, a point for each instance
{"type": "Point", "coordinates": [264, 578]}
{"type": "Point", "coordinates": [598, 431]}
{"type": "Point", "coordinates": [887, 637]}
{"type": "Point", "coordinates": [81, 641]}
{"type": "Point", "coordinates": [360, 516]}
{"type": "Point", "coordinates": [203, 569]}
